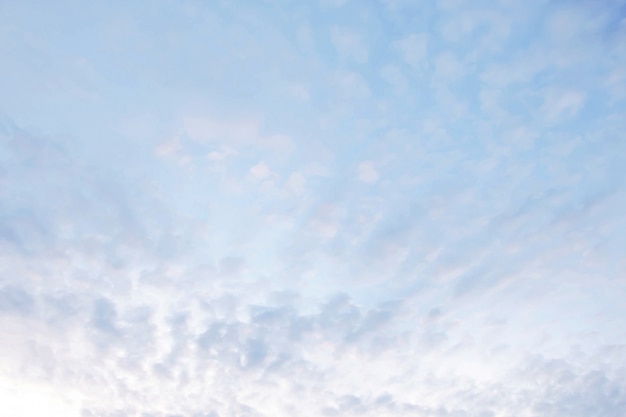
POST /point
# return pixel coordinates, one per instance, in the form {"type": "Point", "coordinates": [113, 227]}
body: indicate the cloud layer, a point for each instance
{"type": "Point", "coordinates": [320, 209]}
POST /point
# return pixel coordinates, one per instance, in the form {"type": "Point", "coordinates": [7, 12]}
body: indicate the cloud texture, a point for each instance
{"type": "Point", "coordinates": [335, 208]}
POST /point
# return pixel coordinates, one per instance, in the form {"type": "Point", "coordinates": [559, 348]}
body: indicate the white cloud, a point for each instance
{"type": "Point", "coordinates": [333, 3]}
{"type": "Point", "coordinates": [169, 147]}
{"type": "Point", "coordinates": [447, 66]}
{"type": "Point", "coordinates": [26, 399]}
{"type": "Point", "coordinates": [352, 85]}
{"type": "Point", "coordinates": [367, 172]}
{"type": "Point", "coordinates": [349, 44]}
{"type": "Point", "coordinates": [221, 154]}
{"type": "Point", "coordinates": [296, 183]}
{"type": "Point", "coordinates": [300, 92]}
{"type": "Point", "coordinates": [413, 49]}
{"type": "Point", "coordinates": [559, 105]}
{"type": "Point", "coordinates": [394, 76]}
{"type": "Point", "coordinates": [261, 171]}
{"type": "Point", "coordinates": [325, 220]}
{"type": "Point", "coordinates": [240, 131]}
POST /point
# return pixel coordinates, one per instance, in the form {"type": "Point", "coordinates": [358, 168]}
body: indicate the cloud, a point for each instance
{"type": "Point", "coordinates": [261, 171]}
{"type": "Point", "coordinates": [562, 105]}
{"type": "Point", "coordinates": [447, 66]}
{"type": "Point", "coordinates": [351, 85]}
{"type": "Point", "coordinates": [349, 44]}
{"type": "Point", "coordinates": [236, 132]}
{"type": "Point", "coordinates": [15, 300]}
{"type": "Point", "coordinates": [221, 154]}
{"type": "Point", "coordinates": [296, 183]}
{"type": "Point", "coordinates": [367, 172]}
{"type": "Point", "coordinates": [333, 3]}
{"type": "Point", "coordinates": [19, 400]}
{"type": "Point", "coordinates": [213, 235]}
{"type": "Point", "coordinates": [394, 76]}
{"type": "Point", "coordinates": [413, 49]}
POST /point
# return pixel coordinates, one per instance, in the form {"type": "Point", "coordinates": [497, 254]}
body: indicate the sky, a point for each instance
{"type": "Point", "coordinates": [313, 208]}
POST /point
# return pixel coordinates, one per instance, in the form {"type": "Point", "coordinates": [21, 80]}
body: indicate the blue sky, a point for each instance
{"type": "Point", "coordinates": [313, 208]}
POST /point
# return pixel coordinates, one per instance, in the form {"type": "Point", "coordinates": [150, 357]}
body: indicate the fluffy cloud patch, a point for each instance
{"type": "Point", "coordinates": [367, 172]}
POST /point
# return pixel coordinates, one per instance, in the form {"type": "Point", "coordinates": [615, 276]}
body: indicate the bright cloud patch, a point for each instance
{"type": "Point", "coordinates": [367, 172]}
